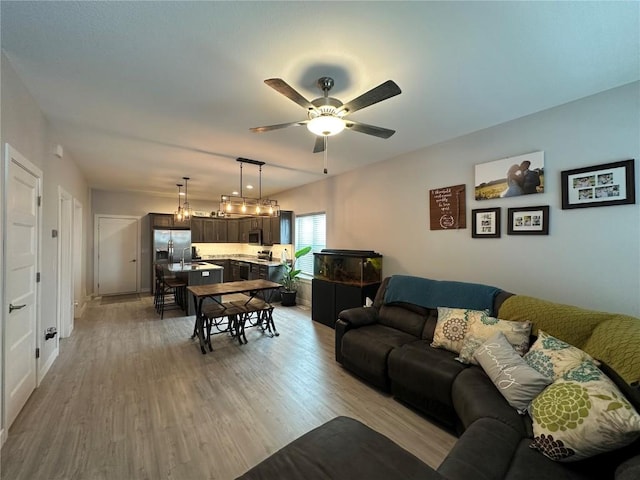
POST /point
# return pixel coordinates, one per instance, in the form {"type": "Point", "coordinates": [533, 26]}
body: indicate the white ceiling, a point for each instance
{"type": "Point", "coordinates": [144, 93]}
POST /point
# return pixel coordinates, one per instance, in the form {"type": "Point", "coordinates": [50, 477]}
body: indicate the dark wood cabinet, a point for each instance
{"type": "Point", "coordinates": [226, 265]}
{"type": "Point", "coordinates": [245, 227]}
{"type": "Point", "coordinates": [165, 220]}
{"type": "Point", "coordinates": [277, 229]}
{"type": "Point", "coordinates": [197, 229]}
{"type": "Point", "coordinates": [233, 230]}
{"type": "Point", "coordinates": [328, 299]}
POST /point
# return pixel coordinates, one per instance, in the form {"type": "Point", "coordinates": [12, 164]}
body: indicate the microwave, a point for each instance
{"type": "Point", "coordinates": [255, 237]}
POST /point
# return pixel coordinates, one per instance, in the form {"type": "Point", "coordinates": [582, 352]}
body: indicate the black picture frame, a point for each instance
{"type": "Point", "coordinates": [485, 223]}
{"type": "Point", "coordinates": [528, 220]}
{"type": "Point", "coordinates": [602, 185]}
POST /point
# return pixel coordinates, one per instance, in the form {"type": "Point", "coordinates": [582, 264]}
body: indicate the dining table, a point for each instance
{"type": "Point", "coordinates": [238, 309]}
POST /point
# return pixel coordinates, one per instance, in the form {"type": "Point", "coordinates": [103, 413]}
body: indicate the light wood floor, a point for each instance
{"type": "Point", "coordinates": [132, 397]}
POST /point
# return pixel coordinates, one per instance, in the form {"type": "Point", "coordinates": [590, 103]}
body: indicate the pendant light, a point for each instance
{"type": "Point", "coordinates": [239, 205]}
{"type": "Point", "coordinates": [187, 213]}
{"type": "Point", "coordinates": [177, 215]}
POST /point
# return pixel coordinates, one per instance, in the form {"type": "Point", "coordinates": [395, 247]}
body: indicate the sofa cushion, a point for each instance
{"type": "Point", "coordinates": [553, 357]}
{"type": "Point", "coordinates": [475, 397]}
{"type": "Point", "coordinates": [426, 370]}
{"type": "Point", "coordinates": [615, 342]}
{"type": "Point", "coordinates": [452, 326]}
{"type": "Point", "coordinates": [483, 452]}
{"type": "Point", "coordinates": [518, 383]}
{"type": "Point", "coordinates": [342, 448]}
{"type": "Point", "coordinates": [405, 317]}
{"type": "Point", "coordinates": [481, 328]}
{"type": "Point", "coordinates": [365, 351]}
{"type": "Point", "coordinates": [581, 415]}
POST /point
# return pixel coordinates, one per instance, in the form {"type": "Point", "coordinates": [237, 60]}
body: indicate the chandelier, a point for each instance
{"type": "Point", "coordinates": [241, 206]}
{"type": "Point", "coordinates": [184, 212]}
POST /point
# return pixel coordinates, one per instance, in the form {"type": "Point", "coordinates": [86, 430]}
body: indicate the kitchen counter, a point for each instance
{"type": "Point", "coordinates": [244, 258]}
{"type": "Point", "coordinates": [197, 273]}
{"type": "Point", "coordinates": [193, 267]}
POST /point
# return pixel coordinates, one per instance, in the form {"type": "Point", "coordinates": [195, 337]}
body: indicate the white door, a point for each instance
{"type": "Point", "coordinates": [21, 297]}
{"type": "Point", "coordinates": [65, 263]}
{"type": "Point", "coordinates": [78, 255]}
{"type": "Point", "coordinates": [117, 255]}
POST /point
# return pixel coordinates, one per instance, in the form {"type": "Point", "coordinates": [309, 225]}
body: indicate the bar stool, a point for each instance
{"type": "Point", "coordinates": [168, 287]}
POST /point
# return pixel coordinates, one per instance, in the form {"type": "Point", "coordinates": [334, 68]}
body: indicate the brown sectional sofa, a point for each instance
{"type": "Point", "coordinates": [388, 345]}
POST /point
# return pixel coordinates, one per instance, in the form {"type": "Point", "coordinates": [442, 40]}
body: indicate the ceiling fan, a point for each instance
{"type": "Point", "coordinates": [326, 115]}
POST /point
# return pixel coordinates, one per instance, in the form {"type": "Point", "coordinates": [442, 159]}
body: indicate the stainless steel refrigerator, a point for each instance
{"type": "Point", "coordinates": [170, 246]}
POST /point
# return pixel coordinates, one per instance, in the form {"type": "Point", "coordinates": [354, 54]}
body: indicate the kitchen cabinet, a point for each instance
{"type": "Point", "coordinates": [197, 229]}
{"type": "Point", "coordinates": [245, 226]}
{"type": "Point", "coordinates": [233, 231]}
{"type": "Point", "coordinates": [226, 265]}
{"type": "Point", "coordinates": [235, 271]}
{"type": "Point", "coordinates": [165, 220]}
{"type": "Point", "coordinates": [277, 229]}
{"type": "Point", "coordinates": [215, 230]}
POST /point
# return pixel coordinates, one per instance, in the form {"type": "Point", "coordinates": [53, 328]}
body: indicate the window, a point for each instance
{"type": "Point", "coordinates": [310, 230]}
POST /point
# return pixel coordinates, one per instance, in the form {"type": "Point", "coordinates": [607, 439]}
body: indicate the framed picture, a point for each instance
{"type": "Point", "coordinates": [486, 223]}
{"type": "Point", "coordinates": [528, 221]}
{"type": "Point", "coordinates": [510, 177]}
{"type": "Point", "coordinates": [599, 186]}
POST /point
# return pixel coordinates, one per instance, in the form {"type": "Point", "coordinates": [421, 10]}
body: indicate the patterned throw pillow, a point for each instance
{"type": "Point", "coordinates": [553, 357]}
{"type": "Point", "coordinates": [582, 414]}
{"type": "Point", "coordinates": [481, 328]}
{"type": "Point", "coordinates": [512, 376]}
{"type": "Point", "coordinates": [451, 327]}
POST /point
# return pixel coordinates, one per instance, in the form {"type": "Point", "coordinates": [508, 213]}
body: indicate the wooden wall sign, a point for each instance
{"type": "Point", "coordinates": [447, 208]}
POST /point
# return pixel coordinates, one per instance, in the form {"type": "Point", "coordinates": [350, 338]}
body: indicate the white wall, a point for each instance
{"type": "Point", "coordinates": [26, 129]}
{"type": "Point", "coordinates": [591, 257]}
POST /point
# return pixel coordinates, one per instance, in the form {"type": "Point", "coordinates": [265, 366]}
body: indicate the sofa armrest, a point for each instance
{"type": "Point", "coordinates": [350, 319]}
{"type": "Point", "coordinates": [359, 316]}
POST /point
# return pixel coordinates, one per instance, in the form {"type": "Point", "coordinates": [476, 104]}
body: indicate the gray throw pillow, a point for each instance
{"type": "Point", "coordinates": [513, 377]}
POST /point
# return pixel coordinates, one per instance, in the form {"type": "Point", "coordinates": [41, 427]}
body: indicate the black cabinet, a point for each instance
{"type": "Point", "coordinates": [233, 230]}
{"type": "Point", "coordinates": [328, 299]}
{"type": "Point", "coordinates": [197, 229]}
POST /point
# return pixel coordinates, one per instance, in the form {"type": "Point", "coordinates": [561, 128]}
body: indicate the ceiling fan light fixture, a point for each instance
{"type": "Point", "coordinates": [326, 125]}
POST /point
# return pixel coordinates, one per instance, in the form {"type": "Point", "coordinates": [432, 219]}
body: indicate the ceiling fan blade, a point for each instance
{"type": "Point", "coordinates": [369, 129]}
{"type": "Point", "coordinates": [319, 145]}
{"type": "Point", "coordinates": [287, 90]}
{"type": "Point", "coordinates": [268, 128]}
{"type": "Point", "coordinates": [383, 91]}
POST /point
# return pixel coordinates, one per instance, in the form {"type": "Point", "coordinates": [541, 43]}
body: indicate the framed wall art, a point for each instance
{"type": "Point", "coordinates": [599, 186]}
{"type": "Point", "coordinates": [447, 208]}
{"type": "Point", "coordinates": [510, 177]}
{"type": "Point", "coordinates": [528, 221]}
{"type": "Point", "coordinates": [485, 223]}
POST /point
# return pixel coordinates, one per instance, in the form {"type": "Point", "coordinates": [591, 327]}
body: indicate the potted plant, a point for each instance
{"type": "Point", "coordinates": [290, 279]}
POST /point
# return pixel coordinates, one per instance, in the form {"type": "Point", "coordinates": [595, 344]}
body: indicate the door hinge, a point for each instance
{"type": "Point", "coordinates": [39, 200]}
{"type": "Point", "coordinates": [38, 277]}
{"type": "Point", "coordinates": [37, 353]}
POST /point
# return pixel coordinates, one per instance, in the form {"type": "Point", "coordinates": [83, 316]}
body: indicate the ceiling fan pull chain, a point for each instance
{"type": "Point", "coordinates": [326, 161]}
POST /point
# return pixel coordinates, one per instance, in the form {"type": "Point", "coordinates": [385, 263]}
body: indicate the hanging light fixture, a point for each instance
{"type": "Point", "coordinates": [178, 214]}
{"type": "Point", "coordinates": [187, 213]}
{"type": "Point", "coordinates": [239, 205]}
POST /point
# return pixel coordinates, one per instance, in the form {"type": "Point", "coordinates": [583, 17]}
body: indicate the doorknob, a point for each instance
{"type": "Point", "coordinates": [15, 307]}
{"type": "Point", "coordinates": [134, 260]}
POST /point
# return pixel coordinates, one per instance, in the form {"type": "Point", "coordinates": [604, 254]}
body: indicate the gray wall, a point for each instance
{"type": "Point", "coordinates": [591, 257]}
{"type": "Point", "coordinates": [27, 130]}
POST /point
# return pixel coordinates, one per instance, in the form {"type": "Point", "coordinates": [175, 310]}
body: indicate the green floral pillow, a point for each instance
{"type": "Point", "coordinates": [553, 357]}
{"type": "Point", "coordinates": [582, 414]}
{"type": "Point", "coordinates": [452, 325]}
{"type": "Point", "coordinates": [481, 328]}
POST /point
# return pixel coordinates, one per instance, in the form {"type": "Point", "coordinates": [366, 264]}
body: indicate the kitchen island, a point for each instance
{"type": "Point", "coordinates": [197, 273]}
